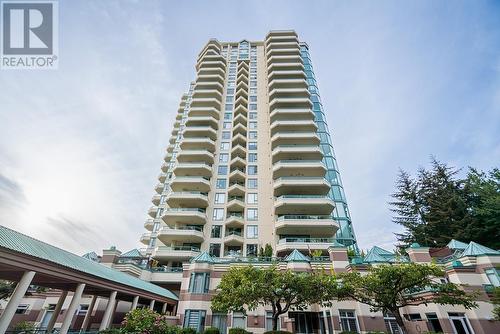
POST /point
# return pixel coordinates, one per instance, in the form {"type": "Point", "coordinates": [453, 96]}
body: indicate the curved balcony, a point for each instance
{"type": "Point", "coordinates": [301, 185]}
{"type": "Point", "coordinates": [303, 205]}
{"type": "Point", "coordinates": [238, 151]}
{"type": "Point", "coordinates": [240, 118]}
{"type": "Point", "coordinates": [176, 253]}
{"type": "Point", "coordinates": [302, 125]}
{"type": "Point", "coordinates": [195, 156]}
{"type": "Point", "coordinates": [240, 129]}
{"type": "Point", "coordinates": [152, 211]}
{"type": "Point", "coordinates": [210, 75]}
{"type": "Point", "coordinates": [207, 93]}
{"type": "Point", "coordinates": [190, 183]}
{"type": "Point", "coordinates": [308, 168]}
{"type": "Point", "coordinates": [303, 244]}
{"type": "Point", "coordinates": [290, 102]}
{"type": "Point", "coordinates": [149, 224]}
{"type": "Point", "coordinates": [203, 112]}
{"type": "Point", "coordinates": [241, 110]}
{"type": "Point", "coordinates": [145, 238]}
{"type": "Point", "coordinates": [234, 220]}
{"type": "Point", "coordinates": [236, 203]}
{"type": "Point", "coordinates": [156, 199]}
{"type": "Point", "coordinates": [209, 85]}
{"type": "Point", "coordinates": [206, 102]}
{"type": "Point", "coordinates": [200, 131]}
{"type": "Point", "coordinates": [234, 239]}
{"type": "Point", "coordinates": [185, 234]}
{"type": "Point", "coordinates": [291, 152]}
{"type": "Point", "coordinates": [162, 177]}
{"type": "Point", "coordinates": [190, 199]}
{"type": "Point", "coordinates": [283, 52]}
{"type": "Point", "coordinates": [197, 143]}
{"type": "Point", "coordinates": [193, 169]}
{"type": "Point", "coordinates": [288, 66]}
{"type": "Point", "coordinates": [165, 166]}
{"type": "Point", "coordinates": [295, 138]}
{"type": "Point", "coordinates": [239, 139]}
{"type": "Point", "coordinates": [288, 114]}
{"type": "Point", "coordinates": [202, 121]}
{"type": "Point", "coordinates": [284, 59]}
{"type": "Point", "coordinates": [241, 101]}
{"type": "Point", "coordinates": [167, 157]}
{"type": "Point", "coordinates": [174, 216]}
{"type": "Point", "coordinates": [159, 188]}
{"type": "Point", "coordinates": [323, 225]}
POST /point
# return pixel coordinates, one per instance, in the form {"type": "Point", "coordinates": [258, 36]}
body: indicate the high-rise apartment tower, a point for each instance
{"type": "Point", "coordinates": [250, 160]}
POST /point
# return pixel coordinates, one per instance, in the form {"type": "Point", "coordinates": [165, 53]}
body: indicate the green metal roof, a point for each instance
{"type": "Point", "coordinates": [377, 254]}
{"type": "Point", "coordinates": [296, 256]}
{"type": "Point", "coordinates": [203, 257]}
{"type": "Point", "coordinates": [132, 253]}
{"type": "Point", "coordinates": [475, 249]}
{"type": "Point", "coordinates": [455, 244]}
{"type": "Point", "coordinates": [24, 244]}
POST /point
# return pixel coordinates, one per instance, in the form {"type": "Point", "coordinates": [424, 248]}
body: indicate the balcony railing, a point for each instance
{"type": "Point", "coordinates": [179, 248]}
{"type": "Point", "coordinates": [164, 269]}
{"type": "Point", "coordinates": [302, 196]}
{"type": "Point", "coordinates": [307, 240]}
{"type": "Point", "coordinates": [239, 234]}
{"type": "Point", "coordinates": [304, 217]}
{"type": "Point", "coordinates": [186, 210]}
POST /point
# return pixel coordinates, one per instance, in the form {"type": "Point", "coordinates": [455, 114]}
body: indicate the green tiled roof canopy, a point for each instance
{"type": "Point", "coordinates": [24, 244]}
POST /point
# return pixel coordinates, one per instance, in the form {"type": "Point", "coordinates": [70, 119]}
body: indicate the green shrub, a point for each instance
{"type": "Point", "coordinates": [26, 326]}
{"type": "Point", "coordinates": [188, 330]}
{"type": "Point", "coordinates": [111, 331]}
{"type": "Point", "coordinates": [211, 330]}
{"type": "Point", "coordinates": [237, 330]}
{"type": "Point", "coordinates": [147, 321]}
{"type": "Point", "coordinates": [278, 332]}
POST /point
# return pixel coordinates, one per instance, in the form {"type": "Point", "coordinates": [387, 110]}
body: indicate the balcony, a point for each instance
{"type": "Point", "coordinates": [240, 129]}
{"type": "Point", "coordinates": [303, 244]}
{"type": "Point", "coordinates": [198, 143]}
{"type": "Point", "coordinates": [207, 93]}
{"type": "Point", "coordinates": [238, 163]}
{"type": "Point", "coordinates": [185, 234]}
{"type": "Point", "coordinates": [159, 187]}
{"type": "Point", "coordinates": [323, 225]}
{"type": "Point", "coordinates": [190, 199]}
{"type": "Point", "coordinates": [303, 204]}
{"type": "Point", "coordinates": [291, 152]}
{"type": "Point", "coordinates": [190, 183]}
{"type": "Point", "coordinates": [302, 125]}
{"type": "Point", "coordinates": [298, 168]}
{"type": "Point", "coordinates": [209, 85]}
{"type": "Point", "coordinates": [290, 102]}
{"type": "Point", "coordinates": [238, 151]}
{"type": "Point", "coordinates": [202, 121]}
{"type": "Point", "coordinates": [289, 114]}
{"type": "Point", "coordinates": [200, 131]}
{"type": "Point", "coordinates": [236, 189]}
{"type": "Point", "coordinates": [167, 157]}
{"type": "Point", "coordinates": [152, 211]}
{"type": "Point", "coordinates": [176, 253]}
{"type": "Point", "coordinates": [237, 175]}
{"type": "Point", "coordinates": [193, 169]}
{"type": "Point", "coordinates": [236, 203]}
{"type": "Point", "coordinates": [239, 139]}
{"type": "Point", "coordinates": [234, 220]}
{"type": "Point", "coordinates": [210, 75]}
{"type": "Point", "coordinates": [284, 59]}
{"type": "Point", "coordinates": [301, 185]}
{"type": "Point", "coordinates": [195, 156]}
{"type": "Point", "coordinates": [175, 216]}
{"type": "Point", "coordinates": [240, 110]}
{"type": "Point", "coordinates": [149, 224]}
{"type": "Point", "coordinates": [240, 118]}
{"type": "Point", "coordinates": [162, 177]}
{"type": "Point", "coordinates": [241, 102]}
{"type": "Point", "coordinates": [283, 52]}
{"type": "Point", "coordinates": [156, 199]}
{"type": "Point", "coordinates": [295, 138]}
{"type": "Point", "coordinates": [145, 238]}
{"type": "Point", "coordinates": [233, 238]}
{"type": "Point", "coordinates": [203, 112]}
{"type": "Point", "coordinates": [288, 66]}
{"type": "Point", "coordinates": [165, 166]}
{"type": "Point", "coordinates": [206, 102]}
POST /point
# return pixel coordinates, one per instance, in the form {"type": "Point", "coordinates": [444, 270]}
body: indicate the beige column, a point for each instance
{"type": "Point", "coordinates": [86, 320]}
{"type": "Point", "coordinates": [57, 311]}
{"type": "Point", "coordinates": [109, 312]}
{"type": "Point", "coordinates": [164, 308]}
{"type": "Point", "coordinates": [15, 299]}
{"type": "Point", "coordinates": [70, 312]}
{"type": "Point", "coordinates": [134, 303]}
{"type": "Point", "coordinates": [152, 304]}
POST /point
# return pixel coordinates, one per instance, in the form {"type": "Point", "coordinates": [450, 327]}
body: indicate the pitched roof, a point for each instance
{"type": "Point", "coordinates": [455, 244]}
{"type": "Point", "coordinates": [475, 249]}
{"type": "Point", "coordinates": [91, 256]}
{"type": "Point", "coordinates": [24, 244]}
{"type": "Point", "coordinates": [377, 254]}
{"type": "Point", "coordinates": [296, 256]}
{"type": "Point", "coordinates": [203, 257]}
{"type": "Point", "coordinates": [132, 253]}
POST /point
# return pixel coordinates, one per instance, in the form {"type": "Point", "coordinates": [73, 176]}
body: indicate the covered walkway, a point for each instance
{"type": "Point", "coordinates": [29, 261]}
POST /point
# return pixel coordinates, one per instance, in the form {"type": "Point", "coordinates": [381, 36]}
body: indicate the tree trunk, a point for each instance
{"type": "Point", "coordinates": [400, 321]}
{"type": "Point", "coordinates": [275, 321]}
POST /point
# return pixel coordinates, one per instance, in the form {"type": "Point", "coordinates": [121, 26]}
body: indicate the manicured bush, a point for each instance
{"type": "Point", "coordinates": [147, 321]}
{"type": "Point", "coordinates": [211, 330]}
{"type": "Point", "coordinates": [188, 330]}
{"type": "Point", "coordinates": [278, 332]}
{"type": "Point", "coordinates": [237, 330]}
{"type": "Point", "coordinates": [111, 331]}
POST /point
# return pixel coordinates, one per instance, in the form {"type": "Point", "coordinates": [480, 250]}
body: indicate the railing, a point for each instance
{"type": "Point", "coordinates": [183, 228]}
{"type": "Point", "coordinates": [239, 234]}
{"type": "Point", "coordinates": [240, 198]}
{"type": "Point", "coordinates": [239, 169]}
{"type": "Point", "coordinates": [165, 269]}
{"type": "Point", "coordinates": [234, 215]}
{"type": "Point", "coordinates": [297, 161]}
{"type": "Point", "coordinates": [307, 240]}
{"type": "Point", "coordinates": [193, 164]}
{"type": "Point", "coordinates": [238, 183]}
{"type": "Point", "coordinates": [304, 217]}
{"type": "Point", "coordinates": [188, 193]}
{"type": "Point", "coordinates": [186, 210]}
{"type": "Point", "coordinates": [178, 248]}
{"type": "Point", "coordinates": [302, 196]}
{"type": "Point", "coordinates": [297, 146]}
{"type": "Point", "coordinates": [298, 178]}
{"type": "Point", "coordinates": [296, 133]}
{"type": "Point", "coordinates": [187, 178]}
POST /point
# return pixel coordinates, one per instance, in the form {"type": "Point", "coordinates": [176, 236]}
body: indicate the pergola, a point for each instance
{"type": "Point", "coordinates": [29, 261]}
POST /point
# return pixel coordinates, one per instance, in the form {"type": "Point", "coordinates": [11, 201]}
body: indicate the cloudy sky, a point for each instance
{"type": "Point", "coordinates": [81, 147]}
